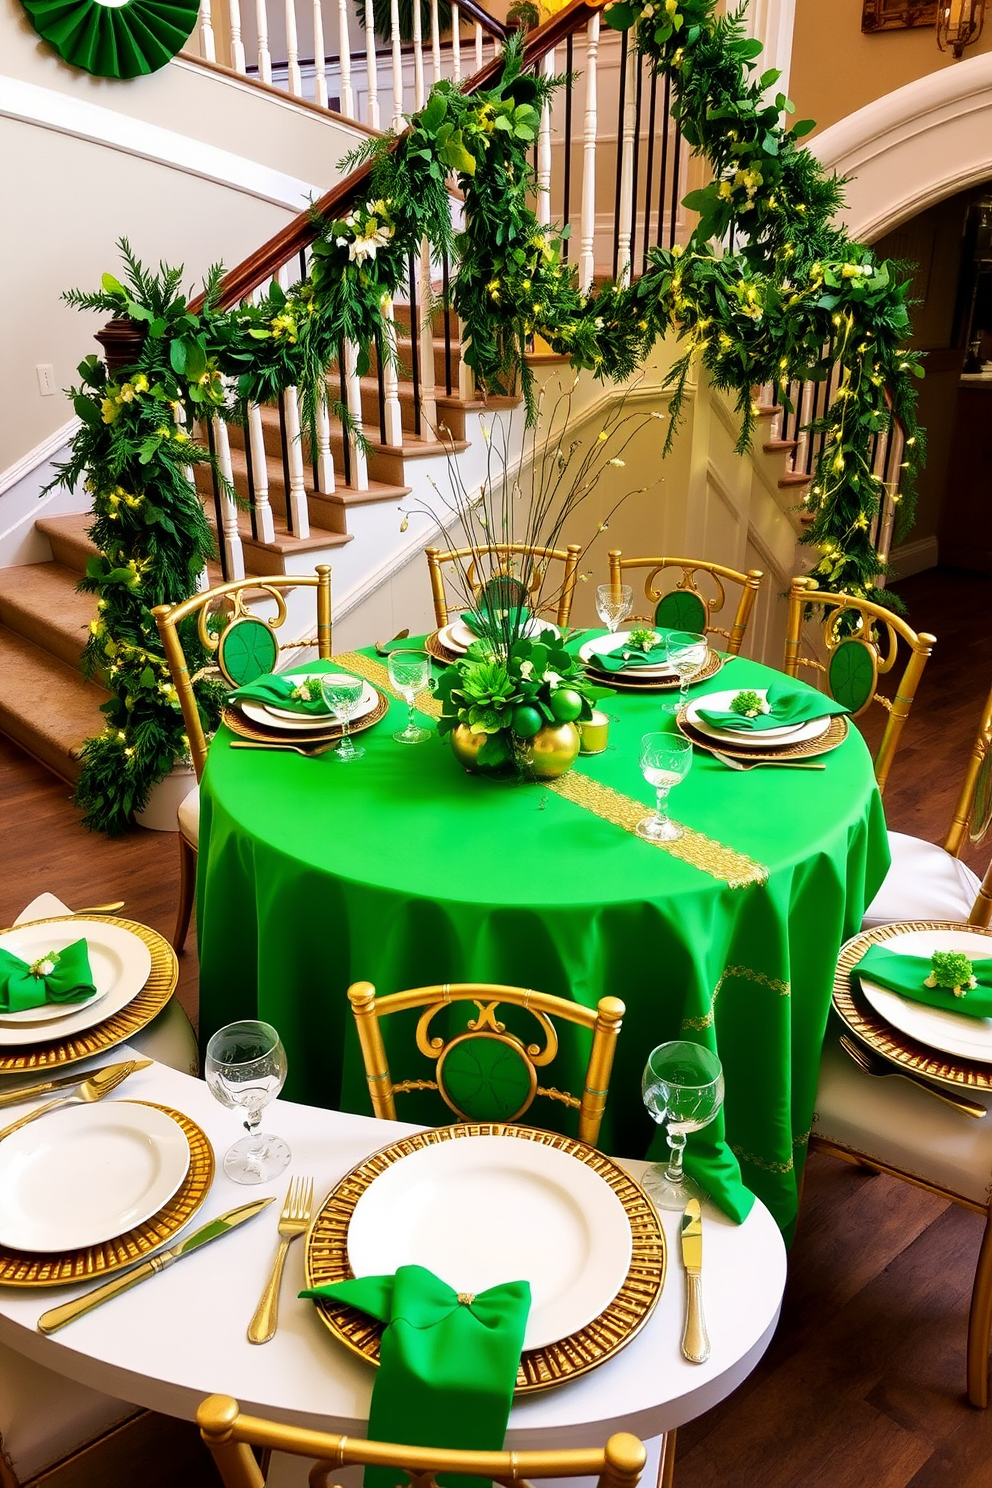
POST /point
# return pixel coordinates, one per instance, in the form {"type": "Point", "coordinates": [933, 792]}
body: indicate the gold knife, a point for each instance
{"type": "Point", "coordinates": [57, 1317]}
{"type": "Point", "coordinates": [695, 1343]}
{"type": "Point", "coordinates": [64, 1082]}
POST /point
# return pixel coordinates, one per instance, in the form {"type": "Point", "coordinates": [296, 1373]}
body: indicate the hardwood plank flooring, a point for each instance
{"type": "Point", "coordinates": [863, 1386]}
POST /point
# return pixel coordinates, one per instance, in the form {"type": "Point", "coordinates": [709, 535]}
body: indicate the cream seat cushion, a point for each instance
{"type": "Point", "coordinates": [923, 883]}
{"type": "Point", "coordinates": [189, 817]}
{"type": "Point", "coordinates": [896, 1122]}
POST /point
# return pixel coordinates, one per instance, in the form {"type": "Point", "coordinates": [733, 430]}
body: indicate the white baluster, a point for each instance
{"type": "Point", "coordinates": [466, 376]}
{"type": "Point", "coordinates": [435, 43]}
{"type": "Point", "coordinates": [425, 332]}
{"type": "Point", "coordinates": [390, 381]}
{"type": "Point", "coordinates": [587, 218]}
{"type": "Point", "coordinates": [237, 45]}
{"type": "Point", "coordinates": [296, 496]}
{"type": "Point", "coordinates": [229, 538]}
{"type": "Point", "coordinates": [418, 56]}
{"type": "Point", "coordinates": [207, 32]}
{"type": "Point", "coordinates": [397, 51]}
{"type": "Point", "coordinates": [797, 460]}
{"type": "Point", "coordinates": [544, 149]}
{"type": "Point", "coordinates": [344, 54]}
{"type": "Point", "coordinates": [292, 51]}
{"type": "Point", "coordinates": [325, 459]}
{"type": "Point", "coordinates": [353, 396]}
{"type": "Point", "coordinates": [478, 46]}
{"type": "Point", "coordinates": [264, 520]}
{"type": "Point", "coordinates": [262, 30]}
{"type": "Point", "coordinates": [371, 66]}
{"type": "Point", "coordinates": [456, 44]}
{"type": "Point", "coordinates": [627, 167]}
{"type": "Point", "coordinates": [319, 56]}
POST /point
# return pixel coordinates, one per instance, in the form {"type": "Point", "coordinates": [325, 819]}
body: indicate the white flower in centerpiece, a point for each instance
{"type": "Point", "coordinates": [526, 669]}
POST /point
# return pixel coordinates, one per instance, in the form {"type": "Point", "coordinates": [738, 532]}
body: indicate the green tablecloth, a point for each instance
{"type": "Point", "coordinates": [403, 870]}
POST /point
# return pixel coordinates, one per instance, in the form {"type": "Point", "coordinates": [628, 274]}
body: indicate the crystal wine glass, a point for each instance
{"type": "Point", "coordinates": [342, 695]}
{"type": "Point", "coordinates": [687, 654]}
{"type": "Point", "coordinates": [614, 603]}
{"type": "Point", "coordinates": [665, 761]}
{"type": "Point", "coordinates": [410, 672]}
{"type": "Point", "coordinates": [245, 1068]}
{"type": "Point", "coordinates": [682, 1088]}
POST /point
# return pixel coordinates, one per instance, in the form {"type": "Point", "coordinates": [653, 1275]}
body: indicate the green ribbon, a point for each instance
{"type": "Point", "coordinates": [121, 41]}
{"type": "Point", "coordinates": [69, 981]}
{"type": "Point", "coordinates": [787, 704]}
{"type": "Point", "coordinates": [907, 975]}
{"type": "Point", "coordinates": [447, 1364]}
{"type": "Point", "coordinates": [277, 688]}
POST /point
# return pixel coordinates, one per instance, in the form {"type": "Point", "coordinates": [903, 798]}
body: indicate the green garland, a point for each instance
{"type": "Point", "coordinates": [794, 297]}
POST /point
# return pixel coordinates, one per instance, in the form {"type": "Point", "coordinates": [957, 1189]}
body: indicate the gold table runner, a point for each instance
{"type": "Point", "coordinates": [702, 852]}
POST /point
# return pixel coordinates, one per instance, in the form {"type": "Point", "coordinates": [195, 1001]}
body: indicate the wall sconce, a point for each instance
{"type": "Point", "coordinates": [959, 23]}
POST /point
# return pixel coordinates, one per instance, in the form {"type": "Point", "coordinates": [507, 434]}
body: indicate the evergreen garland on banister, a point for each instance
{"type": "Point", "coordinates": [792, 297]}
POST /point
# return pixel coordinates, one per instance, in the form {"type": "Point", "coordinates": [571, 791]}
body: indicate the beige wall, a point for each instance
{"type": "Point", "coordinates": [837, 69]}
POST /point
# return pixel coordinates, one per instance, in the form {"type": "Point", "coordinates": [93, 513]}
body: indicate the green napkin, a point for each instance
{"type": "Point", "coordinates": [277, 688]}
{"type": "Point", "coordinates": [787, 705]}
{"type": "Point", "coordinates": [626, 655]}
{"type": "Point", "coordinates": [447, 1365]}
{"type": "Point", "coordinates": [23, 986]}
{"type": "Point", "coordinates": [907, 975]}
{"type": "Point", "coordinates": [710, 1161]}
{"type": "Point", "coordinates": [482, 622]}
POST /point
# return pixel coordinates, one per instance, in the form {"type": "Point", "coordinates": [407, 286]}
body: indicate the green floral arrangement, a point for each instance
{"type": "Point", "coordinates": [749, 704]}
{"type": "Point", "coordinates": [953, 971]}
{"type": "Point", "coordinates": [510, 697]}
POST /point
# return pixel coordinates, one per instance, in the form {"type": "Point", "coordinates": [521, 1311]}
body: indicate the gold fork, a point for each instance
{"type": "Point", "coordinates": [90, 1090]}
{"type": "Point", "coordinates": [293, 1221]}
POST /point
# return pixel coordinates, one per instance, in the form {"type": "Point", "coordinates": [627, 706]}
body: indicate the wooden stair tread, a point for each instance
{"type": "Point", "coordinates": [46, 706]}
{"type": "Point", "coordinates": [40, 602]}
{"type": "Point", "coordinates": [68, 538]}
{"type": "Point", "coordinates": [794, 478]}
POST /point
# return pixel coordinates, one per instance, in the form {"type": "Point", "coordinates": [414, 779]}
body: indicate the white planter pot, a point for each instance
{"type": "Point", "coordinates": [161, 812]}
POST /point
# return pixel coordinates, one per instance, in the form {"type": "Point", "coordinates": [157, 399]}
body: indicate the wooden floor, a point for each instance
{"type": "Point", "coordinates": [863, 1386]}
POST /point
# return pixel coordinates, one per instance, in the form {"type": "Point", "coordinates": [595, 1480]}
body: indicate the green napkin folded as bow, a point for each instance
{"type": "Point", "coordinates": [786, 704]}
{"type": "Point", "coordinates": [907, 975]}
{"type": "Point", "coordinates": [61, 976]}
{"type": "Point", "coordinates": [447, 1363]}
{"type": "Point", "coordinates": [278, 688]}
{"type": "Point", "coordinates": [627, 654]}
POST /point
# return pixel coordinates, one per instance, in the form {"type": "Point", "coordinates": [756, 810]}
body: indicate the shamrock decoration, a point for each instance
{"type": "Point", "coordinates": [749, 704]}
{"type": "Point", "coordinates": [953, 971]}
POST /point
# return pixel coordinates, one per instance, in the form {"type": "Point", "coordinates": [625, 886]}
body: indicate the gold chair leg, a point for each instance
{"type": "Point", "coordinates": [666, 1467]}
{"type": "Point", "coordinates": [187, 892]}
{"type": "Point", "coordinates": [980, 1323]}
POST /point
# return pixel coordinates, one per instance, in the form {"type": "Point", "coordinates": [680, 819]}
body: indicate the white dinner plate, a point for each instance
{"type": "Point", "coordinates": [487, 1210]}
{"type": "Point", "coordinates": [457, 636]}
{"type": "Point", "coordinates": [86, 1174]}
{"type": "Point", "coordinates": [603, 645]}
{"type": "Point", "coordinates": [119, 960]}
{"type": "Point", "coordinates": [953, 1033]}
{"type": "Point", "coordinates": [271, 716]}
{"type": "Point", "coordinates": [792, 733]}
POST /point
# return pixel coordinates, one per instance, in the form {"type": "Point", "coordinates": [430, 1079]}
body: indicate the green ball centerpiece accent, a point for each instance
{"type": "Point", "coordinates": [526, 721]}
{"type": "Point", "coordinates": [565, 704]}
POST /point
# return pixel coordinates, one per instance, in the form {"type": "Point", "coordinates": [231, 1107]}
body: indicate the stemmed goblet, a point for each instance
{"type": "Point", "coordinates": [410, 672]}
{"type": "Point", "coordinates": [614, 603]}
{"type": "Point", "coordinates": [665, 761]}
{"type": "Point", "coordinates": [342, 695]}
{"type": "Point", "coordinates": [245, 1068]}
{"type": "Point", "coordinates": [687, 654]}
{"type": "Point", "coordinates": [682, 1087]}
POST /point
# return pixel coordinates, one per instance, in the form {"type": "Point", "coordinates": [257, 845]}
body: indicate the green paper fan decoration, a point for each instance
{"type": "Point", "coordinates": [121, 40]}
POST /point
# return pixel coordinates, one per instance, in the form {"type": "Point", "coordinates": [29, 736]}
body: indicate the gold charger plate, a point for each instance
{"type": "Point", "coordinates": [874, 1031]}
{"type": "Point", "coordinates": [140, 1010]}
{"type": "Point", "coordinates": [441, 653]}
{"type": "Point", "coordinates": [327, 1258]}
{"type": "Point", "coordinates": [631, 683]}
{"type": "Point", "coordinates": [23, 1269]}
{"type": "Point", "coordinates": [806, 749]}
{"type": "Point", "coordinates": [261, 733]}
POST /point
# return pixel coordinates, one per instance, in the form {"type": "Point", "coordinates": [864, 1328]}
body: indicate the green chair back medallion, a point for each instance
{"type": "Point", "coordinates": [486, 1077]}
{"type": "Point", "coordinates": [114, 40]}
{"type": "Point", "coordinates": [682, 610]}
{"type": "Point", "coordinates": [981, 807]}
{"type": "Point", "coordinates": [852, 674]}
{"type": "Point", "coordinates": [247, 649]}
{"type": "Point", "coordinates": [502, 592]}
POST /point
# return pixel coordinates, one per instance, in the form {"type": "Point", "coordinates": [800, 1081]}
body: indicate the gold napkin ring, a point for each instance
{"type": "Point", "coordinates": [466, 1298]}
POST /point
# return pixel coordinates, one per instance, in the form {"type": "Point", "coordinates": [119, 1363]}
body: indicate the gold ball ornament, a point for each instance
{"type": "Point", "coordinates": [552, 751]}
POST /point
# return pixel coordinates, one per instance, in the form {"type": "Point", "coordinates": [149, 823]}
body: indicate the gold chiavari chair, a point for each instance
{"type": "Point", "coordinates": [516, 576]}
{"type": "Point", "coordinates": [686, 606]}
{"type": "Point", "coordinates": [484, 1072]}
{"type": "Point", "coordinates": [927, 882]}
{"type": "Point", "coordinates": [241, 646]}
{"type": "Point", "coordinates": [231, 1437]}
{"type": "Point", "coordinates": [862, 640]}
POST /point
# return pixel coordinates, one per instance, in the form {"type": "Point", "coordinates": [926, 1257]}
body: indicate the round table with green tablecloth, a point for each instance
{"type": "Point", "coordinates": [403, 870]}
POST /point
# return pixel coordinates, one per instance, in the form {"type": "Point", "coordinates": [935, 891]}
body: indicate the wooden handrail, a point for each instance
{"type": "Point", "coordinates": [475, 12]}
{"type": "Point", "coordinates": [261, 265]}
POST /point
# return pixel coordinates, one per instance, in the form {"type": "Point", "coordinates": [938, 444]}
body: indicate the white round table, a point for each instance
{"type": "Point", "coordinates": [180, 1336]}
